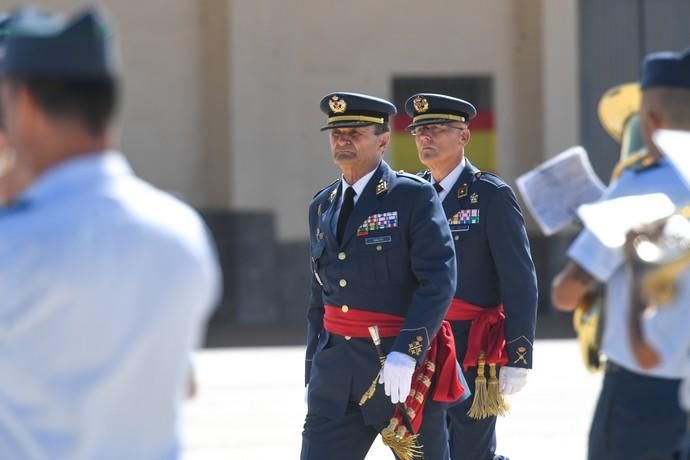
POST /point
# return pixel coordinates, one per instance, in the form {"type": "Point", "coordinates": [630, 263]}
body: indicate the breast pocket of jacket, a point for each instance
{"type": "Point", "coordinates": [464, 232]}
{"type": "Point", "coordinates": [380, 258]}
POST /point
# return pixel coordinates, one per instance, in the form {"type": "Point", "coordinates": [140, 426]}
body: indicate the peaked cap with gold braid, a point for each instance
{"type": "Point", "coordinates": [351, 110]}
{"type": "Point", "coordinates": [432, 109]}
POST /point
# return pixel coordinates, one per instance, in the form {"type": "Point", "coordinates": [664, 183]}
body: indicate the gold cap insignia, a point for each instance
{"type": "Point", "coordinates": [420, 104]}
{"type": "Point", "coordinates": [337, 105]}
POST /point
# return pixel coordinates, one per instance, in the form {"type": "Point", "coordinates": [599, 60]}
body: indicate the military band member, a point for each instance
{"type": "Point", "coordinates": [109, 281]}
{"type": "Point", "coordinates": [381, 254]}
{"type": "Point", "coordinates": [659, 329]}
{"type": "Point", "coordinates": [638, 415]}
{"type": "Point", "coordinates": [493, 310]}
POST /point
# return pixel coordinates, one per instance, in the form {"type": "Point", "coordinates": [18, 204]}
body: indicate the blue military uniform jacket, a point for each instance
{"type": "Point", "coordinates": [493, 257]}
{"type": "Point", "coordinates": [404, 265]}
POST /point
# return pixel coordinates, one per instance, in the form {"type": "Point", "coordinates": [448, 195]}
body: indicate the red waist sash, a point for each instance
{"type": "Point", "coordinates": [486, 334]}
{"type": "Point", "coordinates": [441, 353]}
{"type": "Point", "coordinates": [355, 323]}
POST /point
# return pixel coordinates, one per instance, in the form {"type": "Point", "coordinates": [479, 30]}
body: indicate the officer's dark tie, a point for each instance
{"type": "Point", "coordinates": [345, 211]}
{"type": "Point", "coordinates": [438, 187]}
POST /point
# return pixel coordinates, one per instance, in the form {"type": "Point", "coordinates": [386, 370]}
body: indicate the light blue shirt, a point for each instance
{"type": "Point", "coordinates": [606, 264]}
{"type": "Point", "coordinates": [667, 329]}
{"type": "Point", "coordinates": [106, 286]}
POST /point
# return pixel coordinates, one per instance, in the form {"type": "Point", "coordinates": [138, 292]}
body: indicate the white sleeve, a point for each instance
{"type": "Point", "coordinates": [596, 258]}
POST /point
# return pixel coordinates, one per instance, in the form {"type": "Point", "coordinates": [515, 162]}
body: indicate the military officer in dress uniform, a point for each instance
{"type": "Point", "coordinates": [493, 310]}
{"type": "Point", "coordinates": [381, 254]}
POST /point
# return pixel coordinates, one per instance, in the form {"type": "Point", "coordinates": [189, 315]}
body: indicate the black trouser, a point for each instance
{"type": "Point", "coordinates": [470, 439]}
{"type": "Point", "coordinates": [637, 417]}
{"type": "Point", "coordinates": [341, 372]}
{"type": "Point", "coordinates": [348, 438]}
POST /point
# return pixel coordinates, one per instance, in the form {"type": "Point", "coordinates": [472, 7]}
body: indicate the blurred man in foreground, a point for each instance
{"type": "Point", "coordinates": [108, 281]}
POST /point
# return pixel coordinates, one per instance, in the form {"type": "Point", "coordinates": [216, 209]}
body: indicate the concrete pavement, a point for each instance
{"type": "Point", "coordinates": [244, 411]}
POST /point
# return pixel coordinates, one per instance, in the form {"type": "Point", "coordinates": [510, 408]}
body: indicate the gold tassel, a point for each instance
{"type": "Point", "coordinates": [403, 445]}
{"type": "Point", "coordinates": [496, 404]}
{"type": "Point", "coordinates": [479, 409]}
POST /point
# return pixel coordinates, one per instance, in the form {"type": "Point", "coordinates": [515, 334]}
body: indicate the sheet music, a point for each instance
{"type": "Point", "coordinates": [555, 189]}
{"type": "Point", "coordinates": [611, 220]}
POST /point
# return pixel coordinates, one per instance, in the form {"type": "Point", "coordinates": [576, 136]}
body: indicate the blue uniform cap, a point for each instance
{"type": "Point", "coordinates": [48, 45]}
{"type": "Point", "coordinates": [431, 109]}
{"type": "Point", "coordinates": [350, 110]}
{"type": "Point", "coordinates": [666, 69]}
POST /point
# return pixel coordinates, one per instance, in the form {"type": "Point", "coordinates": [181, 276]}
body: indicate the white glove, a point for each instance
{"type": "Point", "coordinates": [306, 394]}
{"type": "Point", "coordinates": [396, 376]}
{"type": "Point", "coordinates": [511, 379]}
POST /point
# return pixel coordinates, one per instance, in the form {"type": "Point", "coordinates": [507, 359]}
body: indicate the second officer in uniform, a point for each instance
{"type": "Point", "coordinates": [493, 310]}
{"type": "Point", "coordinates": [382, 254]}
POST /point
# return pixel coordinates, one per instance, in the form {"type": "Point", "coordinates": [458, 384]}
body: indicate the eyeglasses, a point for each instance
{"type": "Point", "coordinates": [433, 130]}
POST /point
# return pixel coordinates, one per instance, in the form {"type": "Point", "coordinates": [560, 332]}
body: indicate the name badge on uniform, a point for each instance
{"type": "Point", "coordinates": [379, 221]}
{"type": "Point", "coordinates": [378, 240]}
{"type": "Point", "coordinates": [465, 217]}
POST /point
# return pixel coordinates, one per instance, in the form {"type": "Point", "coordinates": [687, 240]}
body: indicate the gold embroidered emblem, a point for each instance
{"type": "Point", "coordinates": [474, 198]}
{"type": "Point", "coordinates": [318, 210]}
{"type": "Point", "coordinates": [521, 351]}
{"type": "Point", "coordinates": [420, 104]}
{"type": "Point", "coordinates": [337, 105]}
{"type": "Point", "coordinates": [381, 187]}
{"type": "Point", "coordinates": [416, 346]}
{"type": "Point", "coordinates": [333, 194]}
{"type": "Point", "coordinates": [462, 191]}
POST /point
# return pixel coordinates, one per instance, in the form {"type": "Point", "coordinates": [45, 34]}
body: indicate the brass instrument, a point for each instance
{"type": "Point", "coordinates": [619, 115]}
{"type": "Point", "coordinates": [662, 252]}
{"type": "Point", "coordinates": [588, 324]}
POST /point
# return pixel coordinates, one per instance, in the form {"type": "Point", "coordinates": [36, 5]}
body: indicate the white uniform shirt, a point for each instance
{"type": "Point", "coordinates": [606, 264]}
{"type": "Point", "coordinates": [106, 286]}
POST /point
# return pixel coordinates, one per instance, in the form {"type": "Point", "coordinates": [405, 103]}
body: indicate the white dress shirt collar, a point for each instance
{"type": "Point", "coordinates": [450, 180]}
{"type": "Point", "coordinates": [358, 186]}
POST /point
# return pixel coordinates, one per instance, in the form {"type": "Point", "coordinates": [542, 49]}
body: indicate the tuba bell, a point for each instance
{"type": "Point", "coordinates": [661, 251]}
